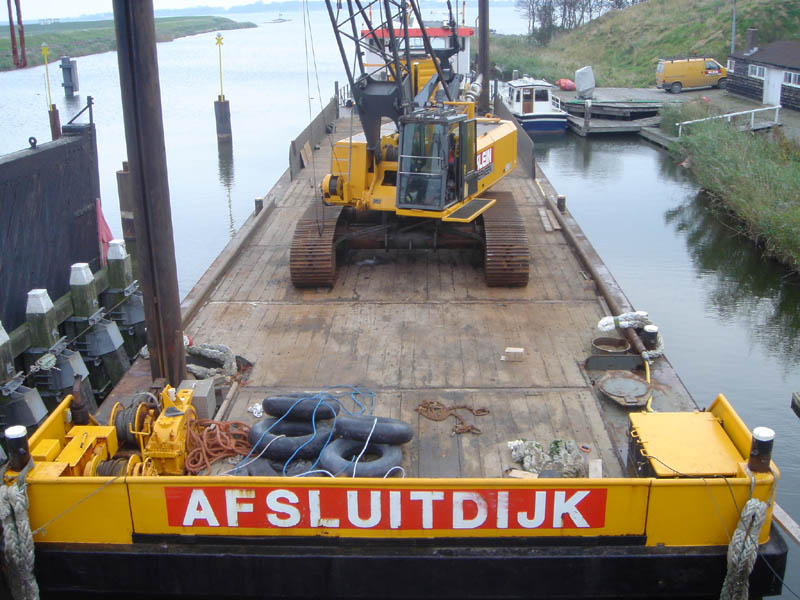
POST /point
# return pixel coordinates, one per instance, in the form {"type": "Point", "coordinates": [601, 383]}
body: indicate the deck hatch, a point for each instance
{"type": "Point", "coordinates": [691, 444]}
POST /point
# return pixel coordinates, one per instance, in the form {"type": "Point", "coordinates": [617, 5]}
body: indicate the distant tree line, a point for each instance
{"type": "Point", "coordinates": [547, 17]}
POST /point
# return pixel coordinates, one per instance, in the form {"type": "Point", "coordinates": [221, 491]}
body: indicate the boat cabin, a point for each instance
{"type": "Point", "coordinates": [531, 101]}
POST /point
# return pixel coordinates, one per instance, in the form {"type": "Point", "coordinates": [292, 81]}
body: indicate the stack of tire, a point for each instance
{"type": "Point", "coordinates": [339, 438]}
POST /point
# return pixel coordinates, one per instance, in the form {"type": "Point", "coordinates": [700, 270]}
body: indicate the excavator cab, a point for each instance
{"type": "Point", "coordinates": [437, 159]}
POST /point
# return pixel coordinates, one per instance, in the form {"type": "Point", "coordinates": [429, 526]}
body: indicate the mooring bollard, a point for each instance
{"type": "Point", "coordinates": [126, 216]}
{"type": "Point", "coordinates": [19, 405]}
{"type": "Point", "coordinates": [69, 71]}
{"type": "Point", "coordinates": [222, 108]}
{"type": "Point", "coordinates": [97, 338]}
{"type": "Point", "coordinates": [123, 298]}
{"type": "Point", "coordinates": [55, 121]}
{"type": "Point", "coordinates": [55, 374]}
{"type": "Point", "coordinates": [587, 115]}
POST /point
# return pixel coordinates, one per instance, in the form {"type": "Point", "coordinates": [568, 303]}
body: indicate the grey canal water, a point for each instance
{"type": "Point", "coordinates": [731, 319]}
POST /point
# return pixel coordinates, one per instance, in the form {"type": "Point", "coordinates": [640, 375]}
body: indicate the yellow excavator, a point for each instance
{"type": "Point", "coordinates": [416, 177]}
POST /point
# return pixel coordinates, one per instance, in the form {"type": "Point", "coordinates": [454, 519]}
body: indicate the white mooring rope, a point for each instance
{"type": "Point", "coordinates": [17, 538]}
{"type": "Point", "coordinates": [743, 551]}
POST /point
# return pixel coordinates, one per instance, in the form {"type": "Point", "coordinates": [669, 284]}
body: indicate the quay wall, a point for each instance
{"type": "Point", "coordinates": [48, 197]}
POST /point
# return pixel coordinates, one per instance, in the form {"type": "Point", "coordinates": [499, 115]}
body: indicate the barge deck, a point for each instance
{"type": "Point", "coordinates": [421, 325]}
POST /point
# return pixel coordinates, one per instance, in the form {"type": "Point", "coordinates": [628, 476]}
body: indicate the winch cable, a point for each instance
{"type": "Point", "coordinates": [18, 546]}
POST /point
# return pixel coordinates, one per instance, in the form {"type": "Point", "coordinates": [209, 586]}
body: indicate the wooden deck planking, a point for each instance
{"type": "Point", "coordinates": [421, 324]}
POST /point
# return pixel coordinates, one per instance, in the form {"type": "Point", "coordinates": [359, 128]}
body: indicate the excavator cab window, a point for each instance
{"type": "Point", "coordinates": [423, 167]}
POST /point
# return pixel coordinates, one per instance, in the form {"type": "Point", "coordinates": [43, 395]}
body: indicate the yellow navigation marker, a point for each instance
{"type": "Point", "coordinates": [45, 53]}
{"type": "Point", "coordinates": [219, 45]}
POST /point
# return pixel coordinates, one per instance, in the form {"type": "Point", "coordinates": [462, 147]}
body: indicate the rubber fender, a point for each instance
{"type": "Point", "coordinates": [261, 467]}
{"type": "Point", "coordinates": [337, 458]}
{"type": "Point", "coordinates": [296, 434]}
{"type": "Point", "coordinates": [387, 431]}
{"type": "Point", "coordinates": [277, 406]}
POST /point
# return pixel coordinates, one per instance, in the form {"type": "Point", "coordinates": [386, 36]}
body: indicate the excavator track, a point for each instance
{"type": "Point", "coordinates": [506, 254]}
{"type": "Point", "coordinates": [312, 259]}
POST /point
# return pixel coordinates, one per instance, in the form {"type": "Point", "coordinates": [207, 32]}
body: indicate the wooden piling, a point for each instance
{"type": "Point", "coordinates": [144, 135]}
{"type": "Point", "coordinates": [126, 216]}
{"type": "Point", "coordinates": [222, 112]}
{"type": "Point", "coordinates": [55, 122]}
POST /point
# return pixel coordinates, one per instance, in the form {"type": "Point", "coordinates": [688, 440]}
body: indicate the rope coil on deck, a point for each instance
{"type": "Point", "coordinates": [211, 441]}
{"type": "Point", "coordinates": [17, 537]}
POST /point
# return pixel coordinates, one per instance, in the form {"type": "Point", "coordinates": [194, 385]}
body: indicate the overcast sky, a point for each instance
{"type": "Point", "coordinates": [33, 10]}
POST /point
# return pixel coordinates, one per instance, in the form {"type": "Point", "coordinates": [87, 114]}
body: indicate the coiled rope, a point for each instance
{"type": "Point", "coordinates": [211, 441]}
{"type": "Point", "coordinates": [17, 537]}
{"type": "Point", "coordinates": [743, 551]}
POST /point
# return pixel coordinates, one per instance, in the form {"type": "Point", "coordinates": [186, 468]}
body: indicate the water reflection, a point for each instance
{"type": "Point", "coordinates": [226, 178]}
{"type": "Point", "coordinates": [741, 283]}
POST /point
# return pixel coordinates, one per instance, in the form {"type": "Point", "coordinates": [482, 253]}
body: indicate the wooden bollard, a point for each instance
{"type": "Point", "coordinates": [222, 112]}
{"type": "Point", "coordinates": [126, 216]}
{"type": "Point", "coordinates": [587, 115]}
{"type": "Point", "coordinates": [43, 328]}
{"type": "Point", "coordinates": [42, 321]}
{"type": "Point", "coordinates": [102, 341]}
{"type": "Point", "coordinates": [126, 312]}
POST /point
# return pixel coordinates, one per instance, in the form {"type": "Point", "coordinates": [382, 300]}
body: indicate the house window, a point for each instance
{"type": "Point", "coordinates": [756, 71]}
{"type": "Point", "coordinates": [731, 65]}
{"type": "Point", "coordinates": [790, 78]}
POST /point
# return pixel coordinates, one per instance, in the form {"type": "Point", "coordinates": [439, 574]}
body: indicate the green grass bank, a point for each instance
{"type": "Point", "coordinates": [79, 38]}
{"type": "Point", "coordinates": [752, 175]}
{"type": "Point", "coordinates": [623, 46]}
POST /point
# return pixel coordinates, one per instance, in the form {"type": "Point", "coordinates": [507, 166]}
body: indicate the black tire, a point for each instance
{"type": "Point", "coordinates": [296, 435]}
{"type": "Point", "coordinates": [387, 431]}
{"type": "Point", "coordinates": [261, 467]}
{"type": "Point", "coordinates": [722, 83]}
{"type": "Point", "coordinates": [676, 87]}
{"type": "Point", "coordinates": [337, 458]}
{"type": "Point", "coordinates": [277, 406]}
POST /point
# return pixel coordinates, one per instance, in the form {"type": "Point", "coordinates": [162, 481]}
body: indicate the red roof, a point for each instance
{"type": "Point", "coordinates": [435, 32]}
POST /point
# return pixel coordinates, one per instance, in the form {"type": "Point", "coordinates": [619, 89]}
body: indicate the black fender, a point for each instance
{"type": "Point", "coordinates": [296, 434]}
{"type": "Point", "coordinates": [387, 431]}
{"type": "Point", "coordinates": [277, 406]}
{"type": "Point", "coordinates": [337, 458]}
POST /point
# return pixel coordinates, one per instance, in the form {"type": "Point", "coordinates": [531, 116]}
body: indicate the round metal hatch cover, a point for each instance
{"type": "Point", "coordinates": [625, 388]}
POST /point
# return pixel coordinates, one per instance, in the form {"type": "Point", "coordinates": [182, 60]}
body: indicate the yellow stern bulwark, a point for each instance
{"type": "Point", "coordinates": [673, 511]}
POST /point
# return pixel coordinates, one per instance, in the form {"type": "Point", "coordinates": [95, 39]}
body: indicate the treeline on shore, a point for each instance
{"type": "Point", "coordinates": [754, 176]}
{"type": "Point", "coordinates": [623, 39]}
{"type": "Point", "coordinates": [80, 38]}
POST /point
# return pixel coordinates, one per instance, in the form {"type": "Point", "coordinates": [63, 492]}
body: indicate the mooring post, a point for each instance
{"type": "Point", "coordinates": [222, 109]}
{"type": "Point", "coordinates": [98, 338]}
{"type": "Point", "coordinates": [134, 23]}
{"type": "Point", "coordinates": [55, 381]}
{"type": "Point", "coordinates": [587, 116]}
{"type": "Point", "coordinates": [123, 299]}
{"type": "Point", "coordinates": [55, 121]}
{"type": "Point", "coordinates": [69, 72]}
{"type": "Point", "coordinates": [126, 216]}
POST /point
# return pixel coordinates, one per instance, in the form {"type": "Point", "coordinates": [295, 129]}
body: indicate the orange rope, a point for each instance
{"type": "Point", "coordinates": [211, 441]}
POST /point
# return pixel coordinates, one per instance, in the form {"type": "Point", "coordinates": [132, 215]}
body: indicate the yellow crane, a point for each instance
{"type": "Point", "coordinates": [419, 181]}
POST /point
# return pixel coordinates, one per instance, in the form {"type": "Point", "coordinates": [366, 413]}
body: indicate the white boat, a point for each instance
{"type": "Point", "coordinates": [532, 103]}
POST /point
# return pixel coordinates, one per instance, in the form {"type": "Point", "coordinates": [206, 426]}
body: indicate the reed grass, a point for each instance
{"type": "Point", "coordinates": [753, 175]}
